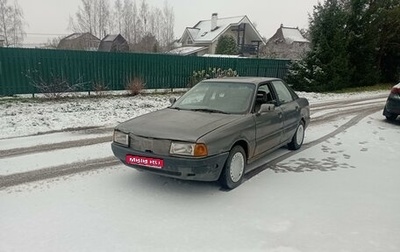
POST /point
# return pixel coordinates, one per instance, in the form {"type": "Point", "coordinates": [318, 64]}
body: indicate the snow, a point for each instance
{"type": "Point", "coordinates": [42, 160]}
{"type": "Point", "coordinates": [205, 34]}
{"type": "Point", "coordinates": [187, 50]}
{"type": "Point", "coordinates": [21, 118]}
{"type": "Point", "coordinates": [293, 35]}
{"type": "Point", "coordinates": [339, 195]}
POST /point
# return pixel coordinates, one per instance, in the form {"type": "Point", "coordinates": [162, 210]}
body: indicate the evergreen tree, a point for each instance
{"type": "Point", "coordinates": [226, 45]}
{"type": "Point", "coordinates": [387, 28]}
{"type": "Point", "coordinates": [354, 43]}
{"type": "Point", "coordinates": [326, 67]}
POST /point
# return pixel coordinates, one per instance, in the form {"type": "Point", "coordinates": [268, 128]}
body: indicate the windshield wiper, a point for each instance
{"type": "Point", "coordinates": [210, 110]}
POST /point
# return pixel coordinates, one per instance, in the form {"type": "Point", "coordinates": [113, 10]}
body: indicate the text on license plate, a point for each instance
{"type": "Point", "coordinates": [144, 161]}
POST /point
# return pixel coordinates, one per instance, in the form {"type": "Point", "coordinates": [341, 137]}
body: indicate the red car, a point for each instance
{"type": "Point", "coordinates": [392, 107]}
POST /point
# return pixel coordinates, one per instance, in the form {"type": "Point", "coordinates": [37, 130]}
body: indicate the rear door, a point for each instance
{"type": "Point", "coordinates": [290, 109]}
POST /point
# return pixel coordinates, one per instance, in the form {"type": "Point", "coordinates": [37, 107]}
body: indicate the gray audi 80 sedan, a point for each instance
{"type": "Point", "coordinates": [215, 130]}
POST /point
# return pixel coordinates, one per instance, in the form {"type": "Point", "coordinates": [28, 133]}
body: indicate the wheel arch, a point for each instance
{"type": "Point", "coordinates": [244, 145]}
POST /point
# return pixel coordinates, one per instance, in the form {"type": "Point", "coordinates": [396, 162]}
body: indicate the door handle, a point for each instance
{"type": "Point", "coordinates": [280, 115]}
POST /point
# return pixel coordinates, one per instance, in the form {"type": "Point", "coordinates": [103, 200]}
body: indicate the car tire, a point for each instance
{"type": "Point", "coordinates": [234, 168]}
{"type": "Point", "coordinates": [298, 138]}
{"type": "Point", "coordinates": [391, 117]}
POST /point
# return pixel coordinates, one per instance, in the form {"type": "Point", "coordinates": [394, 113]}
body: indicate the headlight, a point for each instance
{"type": "Point", "coordinates": [121, 138]}
{"type": "Point", "coordinates": [188, 149]}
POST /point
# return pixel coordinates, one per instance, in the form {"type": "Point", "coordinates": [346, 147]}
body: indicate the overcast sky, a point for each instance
{"type": "Point", "coordinates": [48, 18]}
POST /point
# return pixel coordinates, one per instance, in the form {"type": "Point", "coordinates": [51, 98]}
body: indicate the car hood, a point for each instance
{"type": "Point", "coordinates": [172, 124]}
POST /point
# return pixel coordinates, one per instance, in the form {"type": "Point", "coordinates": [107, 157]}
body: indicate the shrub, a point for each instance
{"type": "Point", "coordinates": [135, 86]}
{"type": "Point", "coordinates": [99, 88]}
{"type": "Point", "coordinates": [211, 73]}
{"type": "Point", "coordinates": [54, 86]}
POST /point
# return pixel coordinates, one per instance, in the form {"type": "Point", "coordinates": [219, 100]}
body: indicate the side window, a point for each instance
{"type": "Point", "coordinates": [264, 88]}
{"type": "Point", "coordinates": [284, 94]}
{"type": "Point", "coordinates": [264, 95]}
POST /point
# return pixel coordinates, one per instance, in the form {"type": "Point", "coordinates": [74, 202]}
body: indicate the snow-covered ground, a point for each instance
{"type": "Point", "coordinates": [339, 195]}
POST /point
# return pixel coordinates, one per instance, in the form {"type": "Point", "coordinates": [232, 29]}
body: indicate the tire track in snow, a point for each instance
{"type": "Point", "coordinates": [345, 103]}
{"type": "Point", "coordinates": [330, 116]}
{"type": "Point", "coordinates": [54, 146]}
{"type": "Point", "coordinates": [58, 171]}
{"type": "Point", "coordinates": [289, 154]}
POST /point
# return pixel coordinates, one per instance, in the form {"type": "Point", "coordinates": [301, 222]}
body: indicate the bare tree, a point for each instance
{"type": "Point", "coordinates": [84, 21]}
{"type": "Point", "coordinates": [169, 22]}
{"type": "Point", "coordinates": [103, 12]}
{"type": "Point", "coordinates": [129, 18]}
{"type": "Point", "coordinates": [157, 23]}
{"type": "Point", "coordinates": [53, 43]}
{"type": "Point", "coordinates": [118, 15]}
{"type": "Point", "coordinates": [133, 19]}
{"type": "Point", "coordinates": [93, 16]}
{"type": "Point", "coordinates": [12, 25]}
{"type": "Point", "coordinates": [144, 15]}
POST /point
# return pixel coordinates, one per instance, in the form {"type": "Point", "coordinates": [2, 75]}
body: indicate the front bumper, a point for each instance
{"type": "Point", "coordinates": [201, 169]}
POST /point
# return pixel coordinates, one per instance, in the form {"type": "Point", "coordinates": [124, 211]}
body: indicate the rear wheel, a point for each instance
{"type": "Point", "coordinates": [233, 172]}
{"type": "Point", "coordinates": [298, 138]}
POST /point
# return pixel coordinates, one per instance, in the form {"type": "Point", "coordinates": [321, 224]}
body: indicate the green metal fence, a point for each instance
{"type": "Point", "coordinates": [20, 69]}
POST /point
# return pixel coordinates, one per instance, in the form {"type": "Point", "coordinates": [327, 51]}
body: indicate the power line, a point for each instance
{"type": "Point", "coordinates": [46, 34]}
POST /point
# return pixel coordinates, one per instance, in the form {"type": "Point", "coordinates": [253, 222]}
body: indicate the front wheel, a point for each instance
{"type": "Point", "coordinates": [233, 172]}
{"type": "Point", "coordinates": [298, 138]}
{"type": "Point", "coordinates": [389, 116]}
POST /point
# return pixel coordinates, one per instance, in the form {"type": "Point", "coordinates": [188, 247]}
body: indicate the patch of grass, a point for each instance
{"type": "Point", "coordinates": [377, 87]}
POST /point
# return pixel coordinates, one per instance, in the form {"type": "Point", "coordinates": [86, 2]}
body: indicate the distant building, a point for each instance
{"type": "Point", "coordinates": [79, 41]}
{"type": "Point", "coordinates": [203, 37]}
{"type": "Point", "coordinates": [114, 43]}
{"type": "Point", "coordinates": [287, 43]}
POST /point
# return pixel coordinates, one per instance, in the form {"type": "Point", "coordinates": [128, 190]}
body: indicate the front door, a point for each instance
{"type": "Point", "coordinates": [269, 125]}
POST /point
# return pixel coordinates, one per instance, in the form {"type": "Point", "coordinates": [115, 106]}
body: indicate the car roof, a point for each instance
{"type": "Point", "coordinates": [254, 80]}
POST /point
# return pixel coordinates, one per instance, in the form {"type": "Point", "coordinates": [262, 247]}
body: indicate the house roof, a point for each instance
{"type": "Point", "coordinates": [289, 35]}
{"type": "Point", "coordinates": [110, 38]}
{"type": "Point", "coordinates": [79, 41]}
{"type": "Point", "coordinates": [113, 42]}
{"type": "Point", "coordinates": [187, 50]}
{"type": "Point", "coordinates": [202, 33]}
{"type": "Point", "coordinates": [293, 35]}
{"type": "Point", "coordinates": [73, 36]}
{"type": "Point", "coordinates": [77, 35]}
{"type": "Point", "coordinates": [221, 56]}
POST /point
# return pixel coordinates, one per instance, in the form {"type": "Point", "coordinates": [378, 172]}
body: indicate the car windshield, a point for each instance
{"type": "Point", "coordinates": [217, 97]}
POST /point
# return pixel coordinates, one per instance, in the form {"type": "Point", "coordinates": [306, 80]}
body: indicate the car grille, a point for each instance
{"type": "Point", "coordinates": [151, 145]}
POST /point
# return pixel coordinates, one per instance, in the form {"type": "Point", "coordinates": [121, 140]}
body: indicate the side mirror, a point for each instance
{"type": "Point", "coordinates": [172, 100]}
{"type": "Point", "coordinates": [266, 107]}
